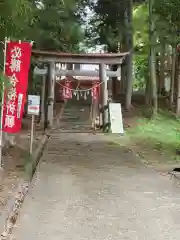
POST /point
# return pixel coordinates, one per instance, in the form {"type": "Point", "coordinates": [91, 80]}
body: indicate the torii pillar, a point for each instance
{"type": "Point", "coordinates": [43, 97]}
{"type": "Point", "coordinates": [51, 93]}
{"type": "Point", "coordinates": [103, 93]}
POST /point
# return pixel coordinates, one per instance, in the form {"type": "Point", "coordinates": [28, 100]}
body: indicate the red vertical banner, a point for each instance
{"type": "Point", "coordinates": [18, 56]}
{"type": "Point", "coordinates": [67, 90]}
{"type": "Point", "coordinates": [95, 91]}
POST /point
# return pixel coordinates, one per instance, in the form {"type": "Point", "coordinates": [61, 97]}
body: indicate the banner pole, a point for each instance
{"type": "Point", "coordinates": [2, 104]}
{"type": "Point", "coordinates": [32, 135]}
{"type": "Point", "coordinates": [32, 126]}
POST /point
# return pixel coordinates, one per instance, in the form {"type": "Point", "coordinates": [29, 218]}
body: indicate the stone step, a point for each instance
{"type": "Point", "coordinates": [75, 119]}
{"type": "Point", "coordinates": [69, 118]}
{"type": "Point", "coordinates": [69, 112]}
{"type": "Point", "coordinates": [75, 124]}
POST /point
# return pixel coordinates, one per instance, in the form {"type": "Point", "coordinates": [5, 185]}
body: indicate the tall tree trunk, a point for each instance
{"type": "Point", "coordinates": [178, 88]}
{"type": "Point", "coordinates": [148, 91]}
{"type": "Point", "coordinates": [162, 67]}
{"type": "Point", "coordinates": [129, 44]}
{"type": "Point", "coordinates": [123, 81]}
{"type": "Point", "coordinates": [173, 71]}
{"type": "Point", "coordinates": [152, 60]}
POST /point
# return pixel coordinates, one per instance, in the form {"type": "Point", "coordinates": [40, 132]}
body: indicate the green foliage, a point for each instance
{"type": "Point", "coordinates": [14, 18]}
{"type": "Point", "coordinates": [161, 133]}
{"type": "Point", "coordinates": [107, 24]}
{"type": "Point", "coordinates": [53, 24]}
{"type": "Point", "coordinates": [140, 71]}
{"type": "Point", "coordinates": [167, 19]}
{"type": "Point", "coordinates": [110, 24]}
{"type": "Point", "coordinates": [57, 27]}
{"type": "Point", "coordinates": [4, 81]}
{"type": "Point", "coordinates": [140, 26]}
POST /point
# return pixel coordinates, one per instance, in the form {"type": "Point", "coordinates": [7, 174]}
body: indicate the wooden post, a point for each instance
{"type": "Point", "coordinates": [51, 93]}
{"type": "Point", "coordinates": [104, 93]}
{"type": "Point", "coordinates": [114, 85]}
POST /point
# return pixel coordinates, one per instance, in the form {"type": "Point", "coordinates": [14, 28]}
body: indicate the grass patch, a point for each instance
{"type": "Point", "coordinates": [162, 133]}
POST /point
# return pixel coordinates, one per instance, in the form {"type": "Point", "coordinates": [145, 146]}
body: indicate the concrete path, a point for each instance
{"type": "Point", "coordinates": [86, 188]}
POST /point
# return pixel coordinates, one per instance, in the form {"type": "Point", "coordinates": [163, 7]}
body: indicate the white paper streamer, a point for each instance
{"type": "Point", "coordinates": [85, 96]}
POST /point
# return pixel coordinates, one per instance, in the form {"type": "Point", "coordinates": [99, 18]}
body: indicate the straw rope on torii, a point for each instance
{"type": "Point", "coordinates": [78, 90]}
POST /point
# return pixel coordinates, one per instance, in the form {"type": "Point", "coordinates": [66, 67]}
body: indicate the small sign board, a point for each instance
{"type": "Point", "coordinates": [33, 104]}
{"type": "Point", "coordinates": [116, 118]}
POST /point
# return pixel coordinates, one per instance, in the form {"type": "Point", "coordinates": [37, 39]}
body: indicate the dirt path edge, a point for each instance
{"type": "Point", "coordinates": [11, 211]}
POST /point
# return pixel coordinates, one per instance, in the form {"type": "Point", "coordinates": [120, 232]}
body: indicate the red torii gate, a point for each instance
{"type": "Point", "coordinates": [101, 59]}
